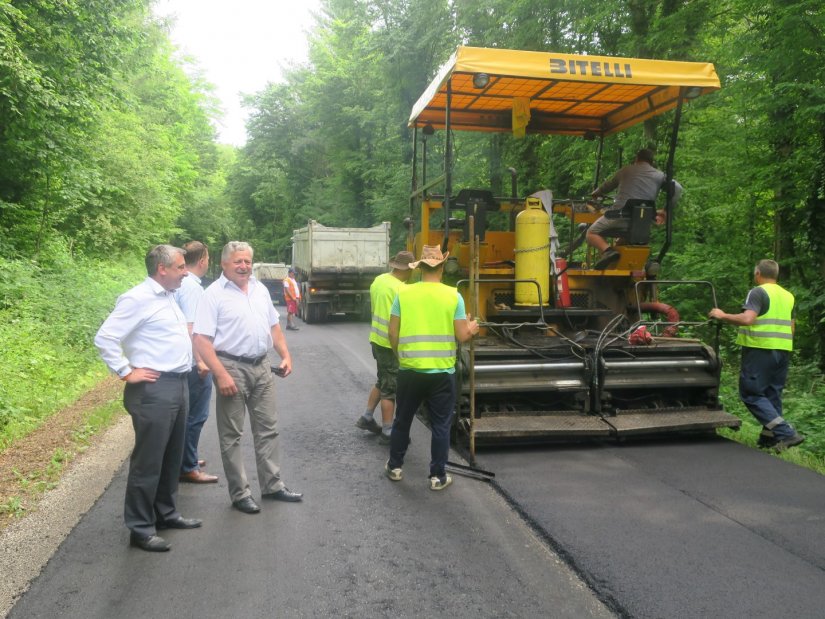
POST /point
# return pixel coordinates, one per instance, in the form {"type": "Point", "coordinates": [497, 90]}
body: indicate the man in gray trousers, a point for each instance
{"type": "Point", "coordinates": [235, 326]}
{"type": "Point", "coordinates": [145, 341]}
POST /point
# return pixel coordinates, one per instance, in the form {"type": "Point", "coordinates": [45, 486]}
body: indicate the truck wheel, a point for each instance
{"type": "Point", "coordinates": [311, 314]}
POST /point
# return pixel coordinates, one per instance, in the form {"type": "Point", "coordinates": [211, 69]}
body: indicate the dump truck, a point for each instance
{"type": "Point", "coordinates": [272, 275]}
{"type": "Point", "coordinates": [335, 268]}
{"type": "Point", "coordinates": [566, 351]}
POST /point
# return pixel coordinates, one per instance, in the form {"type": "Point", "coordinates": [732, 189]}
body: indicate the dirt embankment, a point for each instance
{"type": "Point", "coordinates": [27, 543]}
{"type": "Point", "coordinates": [25, 466]}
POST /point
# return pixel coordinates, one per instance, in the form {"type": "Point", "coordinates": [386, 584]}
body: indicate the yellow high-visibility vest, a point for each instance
{"type": "Point", "coordinates": [426, 340]}
{"type": "Point", "coordinates": [382, 294]}
{"type": "Point", "coordinates": [774, 329]}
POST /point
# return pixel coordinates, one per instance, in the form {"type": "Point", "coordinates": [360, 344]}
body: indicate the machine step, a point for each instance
{"type": "Point", "coordinates": [493, 428]}
{"type": "Point", "coordinates": [637, 423]}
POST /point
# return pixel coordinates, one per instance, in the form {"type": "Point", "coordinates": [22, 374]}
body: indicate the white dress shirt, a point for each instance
{"type": "Point", "coordinates": [146, 329]}
{"type": "Point", "coordinates": [239, 323]}
{"type": "Point", "coordinates": [188, 295]}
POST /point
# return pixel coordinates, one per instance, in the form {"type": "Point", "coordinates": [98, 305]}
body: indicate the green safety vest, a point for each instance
{"type": "Point", "coordinates": [426, 340]}
{"type": "Point", "coordinates": [382, 294]}
{"type": "Point", "coordinates": [772, 330]}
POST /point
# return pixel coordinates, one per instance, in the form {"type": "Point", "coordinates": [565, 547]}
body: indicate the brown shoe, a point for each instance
{"type": "Point", "coordinates": [198, 477]}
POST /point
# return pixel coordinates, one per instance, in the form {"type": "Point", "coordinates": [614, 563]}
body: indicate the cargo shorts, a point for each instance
{"type": "Point", "coordinates": [387, 364]}
{"type": "Point", "coordinates": [612, 224]}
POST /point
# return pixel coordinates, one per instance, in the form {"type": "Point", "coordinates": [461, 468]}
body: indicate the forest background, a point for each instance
{"type": "Point", "coordinates": [108, 147]}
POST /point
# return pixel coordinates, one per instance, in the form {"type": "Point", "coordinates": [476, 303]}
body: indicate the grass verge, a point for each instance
{"type": "Point", "coordinates": [35, 463]}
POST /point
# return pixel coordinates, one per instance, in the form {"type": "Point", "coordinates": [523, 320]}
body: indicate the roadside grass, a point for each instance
{"type": "Point", "coordinates": [35, 464]}
{"type": "Point", "coordinates": [804, 407]}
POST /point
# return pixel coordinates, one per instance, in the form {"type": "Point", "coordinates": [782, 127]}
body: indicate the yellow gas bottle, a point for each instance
{"type": "Point", "coordinates": [533, 254]}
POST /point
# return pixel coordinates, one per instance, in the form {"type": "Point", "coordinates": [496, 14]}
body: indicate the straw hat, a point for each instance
{"type": "Point", "coordinates": [431, 255]}
{"type": "Point", "coordinates": [402, 260]}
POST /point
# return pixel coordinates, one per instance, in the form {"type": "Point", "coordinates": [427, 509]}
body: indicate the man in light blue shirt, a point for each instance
{"type": "Point", "coordinates": [200, 379]}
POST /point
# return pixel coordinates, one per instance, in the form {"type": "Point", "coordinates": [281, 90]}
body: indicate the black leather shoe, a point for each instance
{"type": "Point", "coordinates": [284, 494]}
{"type": "Point", "coordinates": [150, 543]}
{"type": "Point", "coordinates": [178, 523]}
{"type": "Point", "coordinates": [246, 505]}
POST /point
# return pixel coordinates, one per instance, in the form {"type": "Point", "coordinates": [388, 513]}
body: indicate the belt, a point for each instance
{"type": "Point", "coordinates": [174, 374]}
{"type": "Point", "coordinates": [249, 360]}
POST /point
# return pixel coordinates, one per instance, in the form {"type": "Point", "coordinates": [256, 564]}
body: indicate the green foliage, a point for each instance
{"type": "Point", "coordinates": [47, 322]}
{"type": "Point", "coordinates": [104, 137]}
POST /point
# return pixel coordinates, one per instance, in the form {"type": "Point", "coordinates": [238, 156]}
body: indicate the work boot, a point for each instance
{"type": "Point", "coordinates": [609, 256]}
{"type": "Point", "coordinates": [786, 443]}
{"type": "Point", "coordinates": [368, 424]}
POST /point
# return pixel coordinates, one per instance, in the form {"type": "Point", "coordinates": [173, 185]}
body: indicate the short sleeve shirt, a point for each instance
{"type": "Point", "coordinates": [239, 323]}
{"type": "Point", "coordinates": [757, 301]}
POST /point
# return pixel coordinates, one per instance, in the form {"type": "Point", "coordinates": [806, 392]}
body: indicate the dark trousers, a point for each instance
{"type": "Point", "coordinates": [158, 412]}
{"type": "Point", "coordinates": [437, 391]}
{"type": "Point", "coordinates": [200, 394]}
{"type": "Point", "coordinates": [761, 381]}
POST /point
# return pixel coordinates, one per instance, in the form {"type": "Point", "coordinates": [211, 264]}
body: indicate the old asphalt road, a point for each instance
{"type": "Point", "coordinates": [358, 546]}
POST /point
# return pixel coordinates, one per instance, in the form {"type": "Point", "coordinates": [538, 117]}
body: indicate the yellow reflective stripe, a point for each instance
{"type": "Point", "coordinates": [773, 321]}
{"type": "Point", "coordinates": [380, 321]}
{"type": "Point", "coordinates": [410, 339]}
{"type": "Point", "coordinates": [766, 334]}
{"type": "Point", "coordinates": [378, 331]}
{"type": "Point", "coordinates": [417, 354]}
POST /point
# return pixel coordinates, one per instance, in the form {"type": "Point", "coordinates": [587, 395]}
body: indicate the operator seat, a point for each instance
{"type": "Point", "coordinates": [642, 214]}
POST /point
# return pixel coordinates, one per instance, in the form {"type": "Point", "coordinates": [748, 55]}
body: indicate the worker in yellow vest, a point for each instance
{"type": "Point", "coordinates": [766, 328]}
{"type": "Point", "coordinates": [382, 293]}
{"type": "Point", "coordinates": [426, 320]}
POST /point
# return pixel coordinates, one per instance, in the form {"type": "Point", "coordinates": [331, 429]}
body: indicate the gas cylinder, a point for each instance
{"type": "Point", "coordinates": [533, 253]}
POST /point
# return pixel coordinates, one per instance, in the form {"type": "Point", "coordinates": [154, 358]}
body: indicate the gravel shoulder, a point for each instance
{"type": "Point", "coordinates": [27, 544]}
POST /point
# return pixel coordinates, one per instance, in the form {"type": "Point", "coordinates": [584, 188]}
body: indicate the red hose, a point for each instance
{"type": "Point", "coordinates": [670, 314]}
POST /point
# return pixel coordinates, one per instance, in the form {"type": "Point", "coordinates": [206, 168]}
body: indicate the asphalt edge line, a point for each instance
{"type": "Point", "coordinates": [592, 583]}
{"type": "Point", "coordinates": [26, 546]}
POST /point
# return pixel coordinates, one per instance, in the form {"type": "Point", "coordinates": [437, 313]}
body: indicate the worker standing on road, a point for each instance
{"type": "Point", "coordinates": [200, 379]}
{"type": "Point", "coordinates": [292, 296]}
{"type": "Point", "coordinates": [426, 320]}
{"type": "Point", "coordinates": [145, 342]}
{"type": "Point", "coordinates": [235, 327]}
{"type": "Point", "coordinates": [766, 329]}
{"type": "Point", "coordinates": [637, 181]}
{"type": "Point", "coordinates": [382, 293]}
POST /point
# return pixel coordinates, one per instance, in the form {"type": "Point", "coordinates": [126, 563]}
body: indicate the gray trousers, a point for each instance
{"type": "Point", "coordinates": [158, 412]}
{"type": "Point", "coordinates": [256, 393]}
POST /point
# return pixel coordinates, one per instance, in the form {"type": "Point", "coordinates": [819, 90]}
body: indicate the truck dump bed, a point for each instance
{"type": "Point", "coordinates": [319, 250]}
{"type": "Point", "coordinates": [335, 267]}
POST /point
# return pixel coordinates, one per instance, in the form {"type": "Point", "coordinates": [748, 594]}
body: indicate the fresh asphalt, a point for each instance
{"type": "Point", "coordinates": [690, 528]}
{"type": "Point", "coordinates": [358, 545]}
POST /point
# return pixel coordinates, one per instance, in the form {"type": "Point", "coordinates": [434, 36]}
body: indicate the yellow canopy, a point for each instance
{"type": "Point", "coordinates": [568, 94]}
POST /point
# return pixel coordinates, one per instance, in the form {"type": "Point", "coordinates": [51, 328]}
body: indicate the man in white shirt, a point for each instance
{"type": "Point", "coordinates": [145, 342]}
{"type": "Point", "coordinates": [200, 379]}
{"type": "Point", "coordinates": [235, 326]}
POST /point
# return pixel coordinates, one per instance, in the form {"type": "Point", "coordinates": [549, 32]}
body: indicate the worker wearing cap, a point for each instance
{"type": "Point", "coordinates": [426, 320]}
{"type": "Point", "coordinates": [382, 294]}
